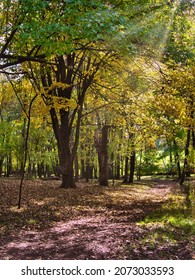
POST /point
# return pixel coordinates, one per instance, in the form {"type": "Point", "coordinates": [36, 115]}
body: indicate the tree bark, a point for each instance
{"type": "Point", "coordinates": [185, 167]}
{"type": "Point", "coordinates": [193, 139]}
{"type": "Point", "coordinates": [139, 167]}
{"type": "Point", "coordinates": [1, 165]}
{"type": "Point", "coordinates": [101, 143]}
{"type": "Point", "coordinates": [76, 164]}
{"type": "Point", "coordinates": [125, 180]}
{"type": "Point", "coordinates": [177, 161]}
{"type": "Point", "coordinates": [132, 167]}
{"type": "Point", "coordinates": [118, 167]}
{"type": "Point", "coordinates": [193, 145]}
{"type": "Point", "coordinates": [83, 169]}
{"type": "Point", "coordinates": [9, 165]}
{"type": "Point", "coordinates": [66, 159]}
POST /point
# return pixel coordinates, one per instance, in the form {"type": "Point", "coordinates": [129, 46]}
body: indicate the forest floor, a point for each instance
{"type": "Point", "coordinates": [146, 220]}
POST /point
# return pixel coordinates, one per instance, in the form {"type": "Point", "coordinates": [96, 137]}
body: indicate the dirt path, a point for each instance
{"type": "Point", "coordinates": [107, 232]}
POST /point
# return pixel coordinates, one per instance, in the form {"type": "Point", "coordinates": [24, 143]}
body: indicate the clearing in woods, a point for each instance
{"type": "Point", "coordinates": [146, 220]}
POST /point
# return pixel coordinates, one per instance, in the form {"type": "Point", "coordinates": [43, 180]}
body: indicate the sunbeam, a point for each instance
{"type": "Point", "coordinates": [167, 30]}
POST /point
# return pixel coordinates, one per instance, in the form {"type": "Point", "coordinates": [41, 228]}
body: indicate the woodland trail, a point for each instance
{"type": "Point", "coordinates": [98, 223]}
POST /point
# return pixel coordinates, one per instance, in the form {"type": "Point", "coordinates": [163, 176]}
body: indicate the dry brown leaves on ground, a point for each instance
{"type": "Point", "coordinates": [89, 222]}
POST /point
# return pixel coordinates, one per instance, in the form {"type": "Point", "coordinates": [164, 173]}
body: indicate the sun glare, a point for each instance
{"type": "Point", "coordinates": [167, 30]}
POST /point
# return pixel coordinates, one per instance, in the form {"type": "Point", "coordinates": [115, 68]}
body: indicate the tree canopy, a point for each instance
{"type": "Point", "coordinates": [105, 82]}
{"type": "Point", "coordinates": [97, 130]}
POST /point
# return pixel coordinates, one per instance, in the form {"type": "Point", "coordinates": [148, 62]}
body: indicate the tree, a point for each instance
{"type": "Point", "coordinates": [10, 112]}
{"type": "Point", "coordinates": [35, 30]}
{"type": "Point", "coordinates": [175, 105]}
{"type": "Point", "coordinates": [72, 65]}
{"type": "Point", "coordinates": [69, 43]}
{"type": "Point", "coordinates": [177, 113]}
{"type": "Point", "coordinates": [26, 105]}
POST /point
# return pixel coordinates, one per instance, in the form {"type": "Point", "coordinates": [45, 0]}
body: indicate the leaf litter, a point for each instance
{"type": "Point", "coordinates": [90, 222]}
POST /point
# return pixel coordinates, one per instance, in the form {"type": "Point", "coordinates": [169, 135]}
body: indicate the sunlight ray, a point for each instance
{"type": "Point", "coordinates": [167, 30]}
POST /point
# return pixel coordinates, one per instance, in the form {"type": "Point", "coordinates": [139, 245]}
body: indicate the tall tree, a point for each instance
{"type": "Point", "coordinates": [58, 35]}
{"type": "Point", "coordinates": [64, 92]}
{"type": "Point", "coordinates": [71, 40]}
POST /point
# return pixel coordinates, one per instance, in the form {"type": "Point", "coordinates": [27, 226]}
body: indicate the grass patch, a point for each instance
{"type": "Point", "coordinates": [171, 227]}
{"type": "Point", "coordinates": [176, 212]}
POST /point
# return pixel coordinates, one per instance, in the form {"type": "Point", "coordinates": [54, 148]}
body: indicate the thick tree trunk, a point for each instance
{"type": "Point", "coordinates": [68, 179]}
{"type": "Point", "coordinates": [101, 143]}
{"type": "Point", "coordinates": [64, 150]}
{"type": "Point", "coordinates": [103, 168]}
{"type": "Point", "coordinates": [66, 164]}
{"type": "Point", "coordinates": [67, 173]}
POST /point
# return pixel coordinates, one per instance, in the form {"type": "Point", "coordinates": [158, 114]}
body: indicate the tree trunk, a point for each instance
{"type": "Point", "coordinates": [193, 145]}
{"type": "Point", "coordinates": [126, 170]}
{"type": "Point", "coordinates": [170, 169]}
{"type": "Point", "coordinates": [111, 169]}
{"type": "Point", "coordinates": [83, 169]}
{"type": "Point", "coordinates": [103, 168]}
{"type": "Point", "coordinates": [40, 169]}
{"type": "Point", "coordinates": [47, 171]}
{"type": "Point", "coordinates": [177, 161]}
{"type": "Point", "coordinates": [118, 167]}
{"type": "Point", "coordinates": [57, 170]}
{"type": "Point", "coordinates": [132, 167]}
{"type": "Point", "coordinates": [95, 173]}
{"type": "Point", "coordinates": [1, 166]}
{"type": "Point", "coordinates": [66, 164]}
{"type": "Point", "coordinates": [87, 173]}
{"type": "Point", "coordinates": [185, 167]}
{"type": "Point", "coordinates": [9, 165]}
{"type": "Point", "coordinates": [101, 143]}
{"type": "Point", "coordinates": [68, 179]}
{"type": "Point", "coordinates": [76, 164]}
{"type": "Point", "coordinates": [34, 173]}
{"type": "Point", "coordinates": [139, 167]}
{"type": "Point", "coordinates": [193, 139]}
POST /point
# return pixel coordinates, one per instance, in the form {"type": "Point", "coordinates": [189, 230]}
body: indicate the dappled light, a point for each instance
{"type": "Point", "coordinates": [97, 129]}
{"type": "Point", "coordinates": [124, 222]}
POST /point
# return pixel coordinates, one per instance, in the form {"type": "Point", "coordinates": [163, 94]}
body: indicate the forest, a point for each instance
{"type": "Point", "coordinates": [97, 129]}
